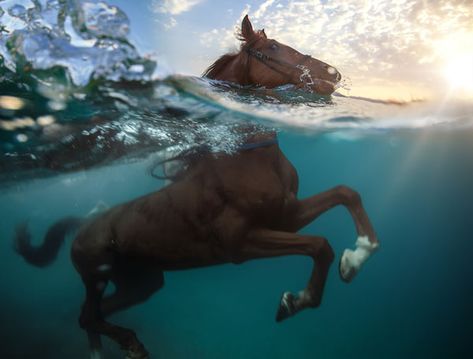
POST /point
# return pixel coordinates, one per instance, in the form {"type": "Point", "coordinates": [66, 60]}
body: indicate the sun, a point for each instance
{"type": "Point", "coordinates": [456, 53]}
{"type": "Point", "coordinates": [459, 73]}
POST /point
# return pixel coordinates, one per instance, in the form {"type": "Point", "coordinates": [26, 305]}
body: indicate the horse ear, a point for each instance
{"type": "Point", "coordinates": [247, 31]}
{"type": "Point", "coordinates": [263, 33]}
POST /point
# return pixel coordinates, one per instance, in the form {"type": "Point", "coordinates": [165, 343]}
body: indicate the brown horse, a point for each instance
{"type": "Point", "coordinates": [266, 62]}
{"type": "Point", "coordinates": [220, 208]}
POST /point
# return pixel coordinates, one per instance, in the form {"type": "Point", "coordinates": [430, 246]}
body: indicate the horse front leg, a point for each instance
{"type": "Point", "coordinates": [265, 243]}
{"type": "Point", "coordinates": [302, 212]}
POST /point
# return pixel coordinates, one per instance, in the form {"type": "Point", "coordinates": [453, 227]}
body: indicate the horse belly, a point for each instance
{"type": "Point", "coordinates": [173, 227]}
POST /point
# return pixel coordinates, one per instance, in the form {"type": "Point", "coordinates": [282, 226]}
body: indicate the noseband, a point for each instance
{"type": "Point", "coordinates": [269, 61]}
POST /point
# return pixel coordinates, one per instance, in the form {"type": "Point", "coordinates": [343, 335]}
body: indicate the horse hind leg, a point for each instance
{"type": "Point", "coordinates": [95, 345]}
{"type": "Point", "coordinates": [92, 321]}
{"type": "Point", "coordinates": [95, 275]}
{"type": "Point", "coordinates": [268, 243]}
{"type": "Point", "coordinates": [134, 284]}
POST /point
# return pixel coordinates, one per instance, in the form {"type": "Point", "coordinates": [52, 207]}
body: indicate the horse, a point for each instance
{"type": "Point", "coordinates": [269, 63]}
{"type": "Point", "coordinates": [219, 208]}
{"type": "Point", "coordinates": [225, 208]}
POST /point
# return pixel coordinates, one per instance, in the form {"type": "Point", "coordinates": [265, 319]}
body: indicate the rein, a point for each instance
{"type": "Point", "coordinates": [196, 150]}
{"type": "Point", "coordinates": [251, 146]}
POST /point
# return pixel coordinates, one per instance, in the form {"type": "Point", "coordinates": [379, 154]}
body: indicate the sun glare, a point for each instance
{"type": "Point", "coordinates": [459, 73]}
{"type": "Point", "coordinates": [457, 54]}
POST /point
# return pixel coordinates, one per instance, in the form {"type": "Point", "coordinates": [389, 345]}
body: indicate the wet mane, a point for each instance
{"type": "Point", "coordinates": [213, 70]}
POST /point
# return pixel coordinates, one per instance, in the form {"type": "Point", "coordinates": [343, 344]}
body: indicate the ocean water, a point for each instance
{"type": "Point", "coordinates": [69, 139]}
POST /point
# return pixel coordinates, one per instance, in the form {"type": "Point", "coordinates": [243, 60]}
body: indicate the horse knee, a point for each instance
{"type": "Point", "coordinates": [327, 252]}
{"type": "Point", "coordinates": [323, 251]}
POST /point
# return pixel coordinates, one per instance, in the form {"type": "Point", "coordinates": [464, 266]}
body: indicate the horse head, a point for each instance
{"type": "Point", "coordinates": [267, 62]}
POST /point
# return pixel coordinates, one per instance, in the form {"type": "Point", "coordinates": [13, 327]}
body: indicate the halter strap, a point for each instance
{"type": "Point", "coordinates": [195, 150]}
{"type": "Point", "coordinates": [251, 146]}
{"type": "Point", "coordinates": [266, 60]}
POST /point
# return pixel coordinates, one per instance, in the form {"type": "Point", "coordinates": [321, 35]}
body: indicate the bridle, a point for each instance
{"type": "Point", "coordinates": [269, 61]}
{"type": "Point", "coordinates": [196, 151]}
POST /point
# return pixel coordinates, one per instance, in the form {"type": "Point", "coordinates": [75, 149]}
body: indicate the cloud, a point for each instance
{"type": "Point", "coordinates": [170, 23]}
{"type": "Point", "coordinates": [262, 8]}
{"type": "Point", "coordinates": [173, 7]}
{"type": "Point", "coordinates": [225, 39]}
{"type": "Point", "coordinates": [168, 9]}
{"type": "Point", "coordinates": [385, 39]}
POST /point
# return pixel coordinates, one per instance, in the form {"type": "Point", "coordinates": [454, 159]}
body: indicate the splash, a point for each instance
{"type": "Point", "coordinates": [86, 39]}
{"type": "Point", "coordinates": [306, 78]}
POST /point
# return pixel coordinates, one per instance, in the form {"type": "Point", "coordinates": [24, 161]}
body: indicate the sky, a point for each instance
{"type": "Point", "coordinates": [398, 49]}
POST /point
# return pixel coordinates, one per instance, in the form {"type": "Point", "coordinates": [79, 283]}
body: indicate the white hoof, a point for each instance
{"type": "Point", "coordinates": [352, 261]}
{"type": "Point", "coordinates": [348, 267]}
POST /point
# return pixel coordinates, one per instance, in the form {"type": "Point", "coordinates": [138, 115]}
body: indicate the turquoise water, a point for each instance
{"type": "Point", "coordinates": [412, 165]}
{"type": "Point", "coordinates": [412, 299]}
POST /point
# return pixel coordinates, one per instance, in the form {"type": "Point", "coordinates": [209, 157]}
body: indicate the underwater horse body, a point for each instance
{"type": "Point", "coordinates": [223, 208]}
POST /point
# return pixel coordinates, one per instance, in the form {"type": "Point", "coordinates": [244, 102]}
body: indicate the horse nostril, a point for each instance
{"type": "Point", "coordinates": [339, 76]}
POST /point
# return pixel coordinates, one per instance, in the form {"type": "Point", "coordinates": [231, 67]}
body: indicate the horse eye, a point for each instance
{"type": "Point", "coordinates": [274, 47]}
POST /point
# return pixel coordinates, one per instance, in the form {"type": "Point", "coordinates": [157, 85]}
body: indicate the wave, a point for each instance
{"type": "Point", "coordinates": [293, 108]}
{"type": "Point", "coordinates": [124, 120]}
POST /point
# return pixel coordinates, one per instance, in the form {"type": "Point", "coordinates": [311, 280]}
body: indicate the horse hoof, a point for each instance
{"type": "Point", "coordinates": [286, 307]}
{"type": "Point", "coordinates": [345, 268]}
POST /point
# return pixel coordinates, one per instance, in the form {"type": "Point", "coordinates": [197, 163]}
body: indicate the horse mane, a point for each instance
{"type": "Point", "coordinates": [213, 70]}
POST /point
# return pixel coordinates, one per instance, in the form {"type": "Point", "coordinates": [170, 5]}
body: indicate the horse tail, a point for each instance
{"type": "Point", "coordinates": [46, 253]}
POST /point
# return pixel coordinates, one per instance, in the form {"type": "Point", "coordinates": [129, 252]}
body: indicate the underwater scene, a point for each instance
{"type": "Point", "coordinates": [93, 115]}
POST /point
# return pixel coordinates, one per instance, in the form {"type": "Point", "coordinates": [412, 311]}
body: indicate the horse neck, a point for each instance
{"type": "Point", "coordinates": [236, 70]}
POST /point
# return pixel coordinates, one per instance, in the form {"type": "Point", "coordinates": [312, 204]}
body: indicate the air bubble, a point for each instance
{"type": "Point", "coordinates": [11, 103]}
{"type": "Point", "coordinates": [45, 120]}
{"type": "Point", "coordinates": [21, 137]}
